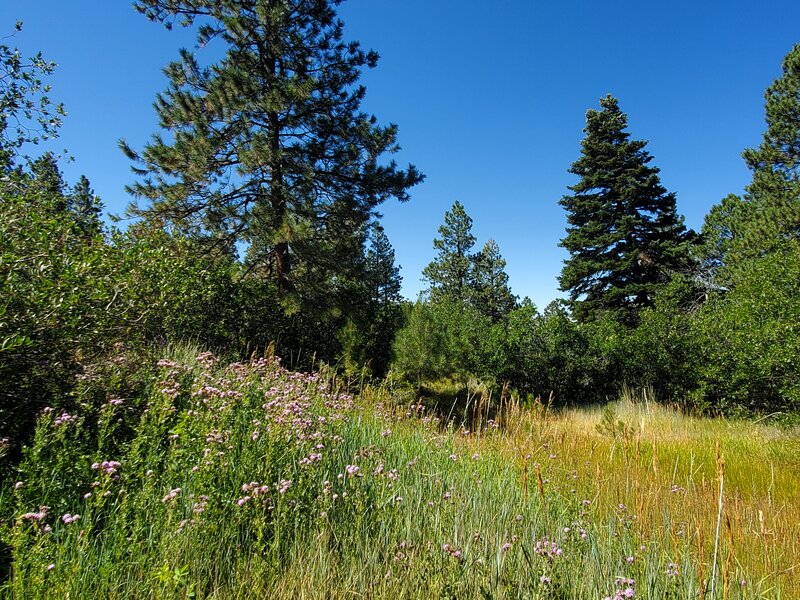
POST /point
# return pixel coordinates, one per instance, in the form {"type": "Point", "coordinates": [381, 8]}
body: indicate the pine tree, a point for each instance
{"type": "Point", "coordinates": [624, 236]}
{"type": "Point", "coordinates": [449, 273]}
{"type": "Point", "coordinates": [268, 146]}
{"type": "Point", "coordinates": [381, 275]}
{"type": "Point", "coordinates": [491, 294]}
{"type": "Point", "coordinates": [771, 209]}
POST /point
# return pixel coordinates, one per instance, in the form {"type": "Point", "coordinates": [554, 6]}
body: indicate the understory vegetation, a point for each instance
{"type": "Point", "coordinates": [233, 480]}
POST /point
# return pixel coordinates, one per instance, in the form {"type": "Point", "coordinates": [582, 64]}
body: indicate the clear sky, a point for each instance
{"type": "Point", "coordinates": [489, 95]}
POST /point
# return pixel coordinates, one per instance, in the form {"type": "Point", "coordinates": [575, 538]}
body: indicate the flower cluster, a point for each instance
{"type": "Point", "coordinates": [547, 549]}
{"type": "Point", "coordinates": [173, 493]}
{"type": "Point", "coordinates": [453, 552]}
{"type": "Point", "coordinates": [63, 419]}
{"type": "Point", "coordinates": [109, 467]}
{"type": "Point", "coordinates": [624, 589]}
{"type": "Point", "coordinates": [68, 519]}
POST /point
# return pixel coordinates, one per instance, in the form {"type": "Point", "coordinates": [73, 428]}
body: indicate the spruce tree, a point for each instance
{"type": "Point", "coordinates": [625, 237]}
{"type": "Point", "coordinates": [450, 272]}
{"type": "Point", "coordinates": [492, 296]}
{"type": "Point", "coordinates": [268, 146]}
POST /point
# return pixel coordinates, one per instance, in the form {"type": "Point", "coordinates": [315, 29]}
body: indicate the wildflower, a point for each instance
{"type": "Point", "coordinates": [386, 433]}
{"type": "Point", "coordinates": [672, 570]}
{"type": "Point", "coordinates": [115, 401]}
{"type": "Point", "coordinates": [87, 495]}
{"type": "Point", "coordinates": [69, 519]}
{"type": "Point", "coordinates": [545, 580]}
{"type": "Point", "coordinates": [519, 518]}
{"type": "Point", "coordinates": [173, 493]}
{"type": "Point", "coordinates": [63, 419]}
{"type": "Point", "coordinates": [243, 501]}
{"type": "Point", "coordinates": [476, 456]}
{"type": "Point", "coordinates": [505, 547]}
{"type": "Point", "coordinates": [284, 486]}
{"type": "Point", "coordinates": [453, 457]}
{"type": "Point", "coordinates": [51, 566]}
{"type": "Point", "coordinates": [18, 485]}
{"type": "Point", "coordinates": [36, 516]}
{"type": "Point", "coordinates": [547, 549]}
{"type": "Point", "coordinates": [352, 470]}
{"type": "Point", "coordinates": [629, 560]}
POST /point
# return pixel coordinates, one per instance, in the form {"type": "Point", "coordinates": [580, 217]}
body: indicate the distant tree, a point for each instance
{"type": "Point", "coordinates": [491, 294]}
{"type": "Point", "coordinates": [382, 276]}
{"type": "Point", "coordinates": [449, 274]}
{"type": "Point", "coordinates": [47, 179]}
{"type": "Point", "coordinates": [268, 146]}
{"type": "Point", "coordinates": [720, 228]}
{"type": "Point", "coordinates": [86, 206]}
{"type": "Point", "coordinates": [625, 237]}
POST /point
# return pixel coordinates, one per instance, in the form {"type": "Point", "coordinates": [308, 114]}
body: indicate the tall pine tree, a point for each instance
{"type": "Point", "coordinates": [268, 146]}
{"type": "Point", "coordinates": [625, 237]}
{"type": "Point", "coordinates": [449, 273]}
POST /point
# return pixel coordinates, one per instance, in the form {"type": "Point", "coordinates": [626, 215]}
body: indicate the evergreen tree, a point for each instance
{"type": "Point", "coordinates": [624, 236]}
{"type": "Point", "coordinates": [491, 294]}
{"type": "Point", "coordinates": [268, 146]}
{"type": "Point", "coordinates": [381, 275]}
{"type": "Point", "coordinates": [86, 206]}
{"type": "Point", "coordinates": [449, 273]}
{"type": "Point", "coordinates": [46, 176]}
{"type": "Point", "coordinates": [771, 209]}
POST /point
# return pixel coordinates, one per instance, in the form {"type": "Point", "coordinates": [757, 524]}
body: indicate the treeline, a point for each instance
{"type": "Point", "coordinates": [707, 321]}
{"type": "Point", "coordinates": [258, 226]}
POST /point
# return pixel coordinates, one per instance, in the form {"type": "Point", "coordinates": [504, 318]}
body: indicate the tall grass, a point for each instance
{"type": "Point", "coordinates": [248, 480]}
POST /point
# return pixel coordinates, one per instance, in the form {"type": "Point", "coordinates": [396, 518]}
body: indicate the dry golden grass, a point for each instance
{"type": "Point", "coordinates": [666, 468]}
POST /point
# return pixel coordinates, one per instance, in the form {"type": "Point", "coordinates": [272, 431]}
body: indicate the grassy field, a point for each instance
{"type": "Point", "coordinates": [247, 480]}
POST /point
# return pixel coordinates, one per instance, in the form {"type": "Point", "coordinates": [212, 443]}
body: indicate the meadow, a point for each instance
{"type": "Point", "coordinates": [249, 480]}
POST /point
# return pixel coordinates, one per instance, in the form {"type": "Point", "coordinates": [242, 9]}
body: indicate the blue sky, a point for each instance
{"type": "Point", "coordinates": [490, 98]}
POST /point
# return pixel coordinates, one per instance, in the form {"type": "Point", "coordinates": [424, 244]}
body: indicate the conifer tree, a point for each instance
{"type": "Point", "coordinates": [771, 207]}
{"type": "Point", "coordinates": [624, 236]}
{"type": "Point", "coordinates": [268, 146]}
{"type": "Point", "coordinates": [449, 273]}
{"type": "Point", "coordinates": [491, 294]}
{"type": "Point", "coordinates": [86, 206]}
{"type": "Point", "coordinates": [382, 276]}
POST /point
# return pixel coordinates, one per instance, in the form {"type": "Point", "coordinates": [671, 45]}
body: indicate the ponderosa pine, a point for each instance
{"type": "Point", "coordinates": [268, 145]}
